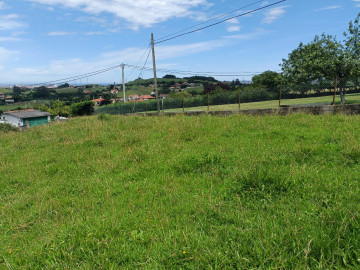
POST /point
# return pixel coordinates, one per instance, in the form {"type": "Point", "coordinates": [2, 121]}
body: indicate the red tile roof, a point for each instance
{"type": "Point", "coordinates": [146, 97]}
{"type": "Point", "coordinates": [98, 100]}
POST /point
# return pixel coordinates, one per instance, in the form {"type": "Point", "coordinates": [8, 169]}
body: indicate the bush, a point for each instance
{"type": "Point", "coordinates": [5, 128]}
{"type": "Point", "coordinates": [82, 108]}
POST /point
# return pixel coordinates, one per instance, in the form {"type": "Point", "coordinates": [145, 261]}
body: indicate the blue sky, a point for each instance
{"type": "Point", "coordinates": [44, 40]}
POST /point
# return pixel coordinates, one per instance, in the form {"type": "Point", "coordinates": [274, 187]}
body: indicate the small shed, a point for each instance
{"type": "Point", "coordinates": [30, 118]}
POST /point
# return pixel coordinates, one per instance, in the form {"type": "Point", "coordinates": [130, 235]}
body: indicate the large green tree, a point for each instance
{"type": "Point", "coordinates": [326, 58]}
{"type": "Point", "coordinates": [271, 80]}
{"type": "Point", "coordinates": [352, 45]}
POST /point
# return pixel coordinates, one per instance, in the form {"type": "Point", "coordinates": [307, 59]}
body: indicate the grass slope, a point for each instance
{"type": "Point", "coordinates": [111, 192]}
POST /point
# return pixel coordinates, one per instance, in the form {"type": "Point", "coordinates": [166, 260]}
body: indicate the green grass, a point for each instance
{"type": "Point", "coordinates": [5, 90]}
{"type": "Point", "coordinates": [206, 192]}
{"type": "Point", "coordinates": [22, 105]}
{"type": "Point", "coordinates": [67, 90]}
{"type": "Point", "coordinates": [351, 99]}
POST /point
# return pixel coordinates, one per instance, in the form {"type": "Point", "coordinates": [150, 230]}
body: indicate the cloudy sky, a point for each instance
{"type": "Point", "coordinates": [44, 40]}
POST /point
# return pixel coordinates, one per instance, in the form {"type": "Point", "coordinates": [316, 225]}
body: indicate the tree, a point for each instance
{"type": "Point", "coordinates": [82, 108]}
{"type": "Point", "coordinates": [16, 90]}
{"type": "Point", "coordinates": [352, 45]}
{"type": "Point", "coordinates": [41, 92]}
{"type": "Point", "coordinates": [216, 87]}
{"type": "Point", "coordinates": [323, 58]}
{"type": "Point", "coordinates": [169, 76]}
{"type": "Point", "coordinates": [271, 80]}
{"type": "Point", "coordinates": [60, 108]}
{"type": "Point", "coordinates": [326, 58]}
{"type": "Point", "coordinates": [65, 85]}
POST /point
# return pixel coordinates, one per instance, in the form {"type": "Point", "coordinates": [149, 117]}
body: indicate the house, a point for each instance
{"type": "Point", "coordinates": [114, 91]}
{"type": "Point", "coordinates": [163, 96]}
{"type": "Point", "coordinates": [101, 101]}
{"type": "Point", "coordinates": [133, 97]}
{"type": "Point", "coordinates": [29, 118]}
{"type": "Point", "coordinates": [146, 97]}
{"type": "Point", "coordinates": [2, 96]}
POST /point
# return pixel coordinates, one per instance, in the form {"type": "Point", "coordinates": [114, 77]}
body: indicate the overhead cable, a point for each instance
{"type": "Point", "coordinates": [213, 24]}
{"type": "Point", "coordinates": [212, 19]}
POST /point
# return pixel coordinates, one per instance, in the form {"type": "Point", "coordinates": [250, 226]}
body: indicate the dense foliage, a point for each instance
{"type": "Point", "coordinates": [5, 128]}
{"type": "Point", "coordinates": [325, 58]}
{"type": "Point", "coordinates": [82, 108]}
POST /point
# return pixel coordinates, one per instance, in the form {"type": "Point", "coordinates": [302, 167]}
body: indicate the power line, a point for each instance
{"type": "Point", "coordinates": [195, 73]}
{"type": "Point", "coordinates": [140, 74]}
{"type": "Point", "coordinates": [148, 48]}
{"type": "Point", "coordinates": [217, 17]}
{"type": "Point", "coordinates": [142, 68]}
{"type": "Point", "coordinates": [210, 25]}
{"type": "Point", "coordinates": [82, 76]}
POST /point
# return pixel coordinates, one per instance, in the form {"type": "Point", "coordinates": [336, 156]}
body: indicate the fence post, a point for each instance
{"type": "Point", "coordinates": [239, 97]}
{"type": "Point", "coordinates": [280, 95]}
{"type": "Point", "coordinates": [208, 97]}
{"type": "Point", "coordinates": [183, 103]}
{"type": "Point", "coordinates": [335, 87]}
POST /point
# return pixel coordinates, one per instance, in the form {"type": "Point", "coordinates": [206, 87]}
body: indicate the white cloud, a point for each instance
{"type": "Point", "coordinates": [61, 33]}
{"type": "Point", "coordinates": [248, 36]}
{"type": "Point", "coordinates": [357, 5]}
{"type": "Point", "coordinates": [98, 33]}
{"type": "Point", "coordinates": [10, 22]}
{"type": "Point", "coordinates": [4, 39]}
{"type": "Point", "coordinates": [94, 20]}
{"type": "Point", "coordinates": [6, 54]}
{"type": "Point", "coordinates": [329, 8]}
{"type": "Point", "coordinates": [58, 69]}
{"type": "Point", "coordinates": [136, 13]}
{"type": "Point", "coordinates": [2, 5]}
{"type": "Point", "coordinates": [233, 25]}
{"type": "Point", "coordinates": [233, 21]}
{"type": "Point", "coordinates": [273, 14]}
{"type": "Point", "coordinates": [234, 28]}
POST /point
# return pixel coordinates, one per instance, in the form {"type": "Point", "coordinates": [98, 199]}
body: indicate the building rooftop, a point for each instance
{"type": "Point", "coordinates": [31, 113]}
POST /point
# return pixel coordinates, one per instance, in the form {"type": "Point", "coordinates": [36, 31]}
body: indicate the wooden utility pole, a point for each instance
{"type": "Point", "coordinates": [123, 80]}
{"type": "Point", "coordinates": [280, 93]}
{"type": "Point", "coordinates": [114, 92]}
{"type": "Point", "coordinates": [335, 88]}
{"type": "Point", "coordinates": [208, 96]}
{"type": "Point", "coordinates": [155, 78]}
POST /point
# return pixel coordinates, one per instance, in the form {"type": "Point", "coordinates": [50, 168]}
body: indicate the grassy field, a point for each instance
{"type": "Point", "coordinates": [207, 192]}
{"type": "Point", "coordinates": [5, 90]}
{"type": "Point", "coordinates": [22, 105]}
{"type": "Point", "coordinates": [351, 99]}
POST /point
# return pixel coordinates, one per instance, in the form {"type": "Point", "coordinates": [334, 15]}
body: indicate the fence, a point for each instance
{"type": "Point", "coordinates": [338, 91]}
{"type": "Point", "coordinates": [324, 92]}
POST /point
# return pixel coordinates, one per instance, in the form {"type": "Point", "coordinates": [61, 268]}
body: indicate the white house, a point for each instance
{"type": "Point", "coordinates": [30, 118]}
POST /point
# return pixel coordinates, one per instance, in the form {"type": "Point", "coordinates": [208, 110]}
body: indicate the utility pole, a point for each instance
{"type": "Point", "coordinates": [154, 68]}
{"type": "Point", "coordinates": [123, 80]}
{"type": "Point", "coordinates": [114, 92]}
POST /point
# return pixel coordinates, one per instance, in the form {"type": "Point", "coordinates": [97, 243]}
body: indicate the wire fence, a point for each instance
{"type": "Point", "coordinates": [325, 92]}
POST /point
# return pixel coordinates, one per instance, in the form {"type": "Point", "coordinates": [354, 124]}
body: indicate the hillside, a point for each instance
{"type": "Point", "coordinates": [109, 192]}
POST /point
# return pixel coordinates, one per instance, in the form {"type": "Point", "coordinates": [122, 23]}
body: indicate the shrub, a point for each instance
{"type": "Point", "coordinates": [82, 108]}
{"type": "Point", "coordinates": [5, 128]}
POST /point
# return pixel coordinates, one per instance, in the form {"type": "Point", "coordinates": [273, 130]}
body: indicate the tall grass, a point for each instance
{"type": "Point", "coordinates": [109, 192]}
